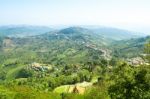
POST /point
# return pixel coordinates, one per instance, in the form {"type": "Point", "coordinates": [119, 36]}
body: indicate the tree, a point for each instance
{"type": "Point", "coordinates": [24, 73]}
{"type": "Point", "coordinates": [2, 75]}
{"type": "Point", "coordinates": [147, 51]}
{"type": "Point", "coordinates": [84, 75]}
{"type": "Point", "coordinates": [131, 82]}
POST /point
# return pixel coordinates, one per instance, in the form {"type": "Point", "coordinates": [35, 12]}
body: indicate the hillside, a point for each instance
{"type": "Point", "coordinates": [78, 45]}
{"type": "Point", "coordinates": [115, 33]}
{"type": "Point", "coordinates": [23, 31]}
{"type": "Point", "coordinates": [129, 48]}
{"type": "Point", "coordinates": [62, 62]}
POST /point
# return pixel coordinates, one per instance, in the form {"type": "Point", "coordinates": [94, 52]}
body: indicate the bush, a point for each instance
{"type": "Point", "coordinates": [24, 73]}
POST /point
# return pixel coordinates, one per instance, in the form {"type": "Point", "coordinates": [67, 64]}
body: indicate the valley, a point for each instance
{"type": "Point", "coordinates": [71, 63]}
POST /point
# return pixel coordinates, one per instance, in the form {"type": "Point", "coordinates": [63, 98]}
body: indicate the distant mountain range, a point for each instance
{"type": "Point", "coordinates": [79, 39]}
{"type": "Point", "coordinates": [23, 31]}
{"type": "Point", "coordinates": [117, 34]}
{"type": "Point", "coordinates": [106, 32]}
{"type": "Point", "coordinates": [44, 39]}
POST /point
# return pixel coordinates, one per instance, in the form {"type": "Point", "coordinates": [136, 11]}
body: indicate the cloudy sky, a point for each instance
{"type": "Point", "coordinates": [127, 14]}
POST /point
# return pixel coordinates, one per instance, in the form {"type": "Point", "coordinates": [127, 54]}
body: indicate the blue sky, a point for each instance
{"type": "Point", "coordinates": [128, 14]}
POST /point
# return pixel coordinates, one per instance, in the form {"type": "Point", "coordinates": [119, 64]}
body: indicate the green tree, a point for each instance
{"type": "Point", "coordinates": [147, 51]}
{"type": "Point", "coordinates": [131, 82]}
{"type": "Point", "coordinates": [24, 73]}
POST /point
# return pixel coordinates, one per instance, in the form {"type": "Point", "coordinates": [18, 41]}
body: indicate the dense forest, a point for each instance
{"type": "Point", "coordinates": [73, 63]}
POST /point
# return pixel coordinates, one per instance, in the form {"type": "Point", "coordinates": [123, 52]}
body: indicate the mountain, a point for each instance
{"type": "Point", "coordinates": [72, 46]}
{"type": "Point", "coordinates": [115, 34]}
{"type": "Point", "coordinates": [23, 30]}
{"type": "Point", "coordinates": [79, 45]}
{"type": "Point", "coordinates": [129, 48]}
{"type": "Point", "coordinates": [75, 43]}
{"type": "Point", "coordinates": [105, 32]}
{"type": "Point", "coordinates": [84, 33]}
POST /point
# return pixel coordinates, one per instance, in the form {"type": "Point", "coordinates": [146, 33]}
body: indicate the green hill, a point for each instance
{"type": "Point", "coordinates": [129, 48]}
{"type": "Point", "coordinates": [36, 65]}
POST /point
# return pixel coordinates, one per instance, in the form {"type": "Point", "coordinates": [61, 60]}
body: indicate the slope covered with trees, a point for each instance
{"type": "Point", "coordinates": [35, 66]}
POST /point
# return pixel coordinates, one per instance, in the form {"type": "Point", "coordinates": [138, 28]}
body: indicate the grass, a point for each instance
{"type": "Point", "coordinates": [12, 72]}
{"type": "Point", "coordinates": [94, 79]}
{"type": "Point", "coordinates": [62, 89]}
{"type": "Point", "coordinates": [24, 92]}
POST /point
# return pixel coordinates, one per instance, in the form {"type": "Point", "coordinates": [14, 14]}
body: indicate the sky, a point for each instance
{"type": "Point", "coordinates": [127, 14]}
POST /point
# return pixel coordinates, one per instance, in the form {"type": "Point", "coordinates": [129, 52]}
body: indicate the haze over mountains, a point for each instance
{"type": "Point", "coordinates": [22, 30]}
{"type": "Point", "coordinates": [25, 30]}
